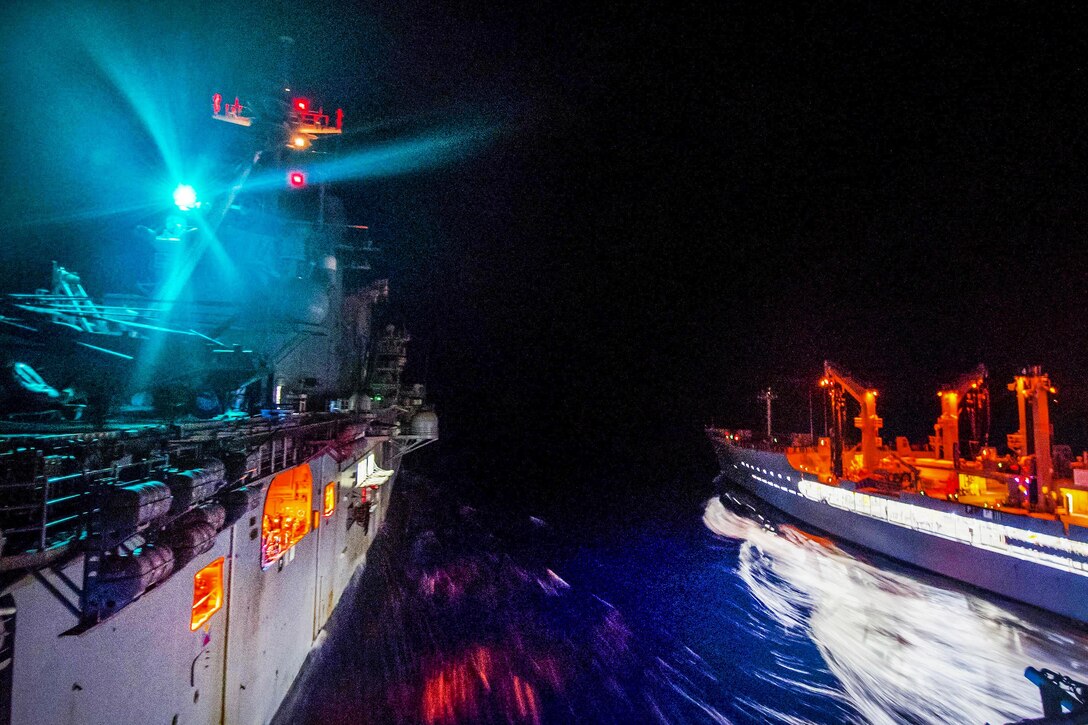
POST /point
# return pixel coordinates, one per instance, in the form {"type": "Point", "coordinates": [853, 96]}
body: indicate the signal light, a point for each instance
{"type": "Point", "coordinates": [300, 104]}
{"type": "Point", "coordinates": [296, 179]}
{"type": "Point", "coordinates": [185, 197]}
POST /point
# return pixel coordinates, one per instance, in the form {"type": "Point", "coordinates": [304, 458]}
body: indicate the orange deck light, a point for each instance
{"type": "Point", "coordinates": [207, 593]}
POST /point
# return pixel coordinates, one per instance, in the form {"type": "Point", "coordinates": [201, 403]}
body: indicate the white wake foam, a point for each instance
{"type": "Point", "coordinates": [904, 650]}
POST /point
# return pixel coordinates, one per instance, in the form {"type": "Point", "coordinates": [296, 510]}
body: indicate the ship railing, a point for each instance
{"type": "Point", "coordinates": [43, 509]}
{"type": "Point", "coordinates": [803, 449]}
{"type": "Point", "coordinates": [277, 454]}
{"type": "Point", "coordinates": [250, 429]}
{"type": "Point", "coordinates": [314, 118]}
{"type": "Point", "coordinates": [761, 445]}
{"type": "Point", "coordinates": [747, 440]}
{"type": "Point", "coordinates": [44, 514]}
{"type": "Point", "coordinates": [279, 444]}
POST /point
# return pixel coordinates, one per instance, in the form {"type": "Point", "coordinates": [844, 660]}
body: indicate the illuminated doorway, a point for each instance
{"type": "Point", "coordinates": [286, 513]}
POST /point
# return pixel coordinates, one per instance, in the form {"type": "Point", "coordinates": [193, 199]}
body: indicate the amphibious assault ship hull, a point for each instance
{"type": "Point", "coordinates": [171, 655]}
{"type": "Point", "coordinates": [194, 465]}
{"type": "Point", "coordinates": [1029, 560]}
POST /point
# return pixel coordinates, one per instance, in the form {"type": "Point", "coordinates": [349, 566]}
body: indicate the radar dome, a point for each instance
{"type": "Point", "coordinates": [425, 424]}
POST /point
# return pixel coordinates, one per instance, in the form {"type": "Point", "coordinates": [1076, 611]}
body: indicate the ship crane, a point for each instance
{"type": "Point", "coordinates": [970, 393]}
{"type": "Point", "coordinates": [868, 421]}
{"type": "Point", "coordinates": [1032, 440]}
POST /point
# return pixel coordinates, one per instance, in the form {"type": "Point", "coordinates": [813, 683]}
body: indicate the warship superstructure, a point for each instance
{"type": "Point", "coordinates": [1015, 524]}
{"type": "Point", "coordinates": [193, 469]}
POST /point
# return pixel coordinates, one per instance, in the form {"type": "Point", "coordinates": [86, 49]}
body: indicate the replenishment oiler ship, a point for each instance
{"type": "Point", "coordinates": [1013, 524]}
{"type": "Point", "coordinates": [192, 471]}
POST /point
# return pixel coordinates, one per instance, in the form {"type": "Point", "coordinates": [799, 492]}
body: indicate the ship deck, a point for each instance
{"type": "Point", "coordinates": [993, 499]}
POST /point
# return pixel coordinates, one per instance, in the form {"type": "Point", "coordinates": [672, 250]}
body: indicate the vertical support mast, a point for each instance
{"type": "Point", "coordinates": [868, 422]}
{"type": "Point", "coordinates": [1044, 466]}
{"type": "Point", "coordinates": [811, 424]}
{"type": "Point", "coordinates": [948, 425]}
{"type": "Point", "coordinates": [767, 396]}
{"type": "Point", "coordinates": [1018, 442]}
{"type": "Point", "coordinates": [838, 416]}
{"type": "Point", "coordinates": [1032, 440]}
{"type": "Point", "coordinates": [970, 393]}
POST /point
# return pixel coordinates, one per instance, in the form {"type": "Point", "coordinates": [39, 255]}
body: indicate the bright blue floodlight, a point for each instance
{"type": "Point", "coordinates": [185, 197]}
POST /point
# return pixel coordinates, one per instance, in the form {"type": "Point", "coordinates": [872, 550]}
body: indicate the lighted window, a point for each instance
{"type": "Point", "coordinates": [1076, 501]}
{"type": "Point", "coordinates": [330, 498]}
{"type": "Point", "coordinates": [207, 593]}
{"type": "Point", "coordinates": [286, 513]}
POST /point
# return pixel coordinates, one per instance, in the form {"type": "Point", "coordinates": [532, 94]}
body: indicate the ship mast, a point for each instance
{"type": "Point", "coordinates": [971, 394]}
{"type": "Point", "coordinates": [767, 396]}
{"type": "Point", "coordinates": [1032, 442]}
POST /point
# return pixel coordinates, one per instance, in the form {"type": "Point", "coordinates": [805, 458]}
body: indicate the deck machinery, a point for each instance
{"type": "Point", "coordinates": [958, 462]}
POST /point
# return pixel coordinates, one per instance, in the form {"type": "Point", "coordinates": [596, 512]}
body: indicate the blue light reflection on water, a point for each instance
{"type": "Point", "coordinates": [783, 626]}
{"type": "Point", "coordinates": [680, 590]}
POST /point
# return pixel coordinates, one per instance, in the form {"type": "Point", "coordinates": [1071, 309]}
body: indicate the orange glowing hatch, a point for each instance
{"type": "Point", "coordinates": [207, 593]}
{"type": "Point", "coordinates": [330, 498]}
{"type": "Point", "coordinates": [286, 513]}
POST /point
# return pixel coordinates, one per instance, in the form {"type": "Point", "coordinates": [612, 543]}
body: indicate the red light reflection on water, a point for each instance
{"type": "Point", "coordinates": [475, 682]}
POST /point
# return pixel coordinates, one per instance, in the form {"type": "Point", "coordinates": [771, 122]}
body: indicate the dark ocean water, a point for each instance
{"type": "Point", "coordinates": [715, 615]}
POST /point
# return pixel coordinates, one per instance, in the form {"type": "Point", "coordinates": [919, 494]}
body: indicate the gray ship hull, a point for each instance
{"type": "Point", "coordinates": [147, 664]}
{"type": "Point", "coordinates": [941, 537]}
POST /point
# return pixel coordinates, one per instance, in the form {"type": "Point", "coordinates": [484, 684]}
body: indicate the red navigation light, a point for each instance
{"type": "Point", "coordinates": [296, 179]}
{"type": "Point", "coordinates": [300, 104]}
{"type": "Point", "coordinates": [339, 118]}
{"type": "Point", "coordinates": [217, 103]}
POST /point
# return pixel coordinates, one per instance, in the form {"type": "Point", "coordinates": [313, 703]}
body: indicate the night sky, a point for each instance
{"type": "Point", "coordinates": [671, 208]}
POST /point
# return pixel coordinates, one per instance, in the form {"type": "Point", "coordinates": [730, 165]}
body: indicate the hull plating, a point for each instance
{"type": "Point", "coordinates": [145, 665]}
